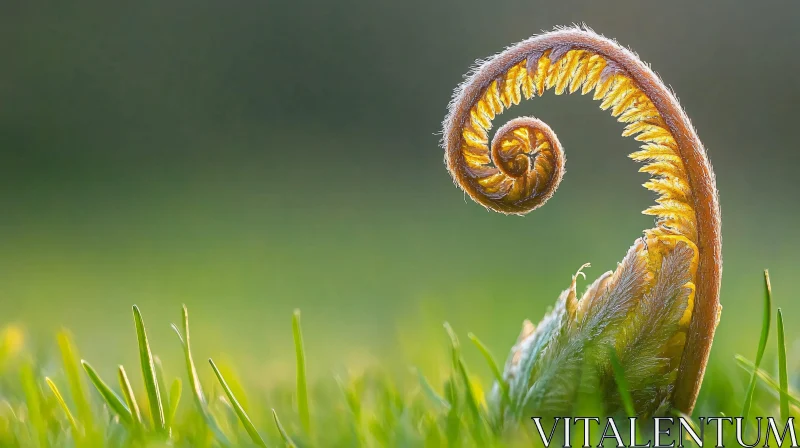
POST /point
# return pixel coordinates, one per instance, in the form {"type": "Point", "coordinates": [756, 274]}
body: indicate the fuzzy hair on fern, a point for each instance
{"type": "Point", "coordinates": [656, 313]}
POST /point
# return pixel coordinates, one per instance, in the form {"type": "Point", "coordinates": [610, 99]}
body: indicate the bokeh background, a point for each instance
{"type": "Point", "coordinates": [254, 157]}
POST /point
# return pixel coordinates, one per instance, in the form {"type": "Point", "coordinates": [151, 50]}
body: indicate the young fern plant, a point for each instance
{"type": "Point", "coordinates": [659, 309]}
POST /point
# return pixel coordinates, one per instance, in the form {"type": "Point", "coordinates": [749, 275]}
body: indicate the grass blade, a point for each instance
{"type": "Point", "coordinates": [163, 393]}
{"type": "Point", "coordinates": [130, 398]}
{"type": "Point", "coordinates": [622, 384]}
{"type": "Point", "coordinates": [149, 373]}
{"type": "Point", "coordinates": [285, 436]}
{"type": "Point", "coordinates": [498, 376]}
{"type": "Point", "coordinates": [33, 401]}
{"type": "Point", "coordinates": [455, 346]}
{"type": "Point", "coordinates": [351, 396]}
{"type": "Point", "coordinates": [112, 400]}
{"type": "Point", "coordinates": [749, 367]}
{"type": "Point", "coordinates": [427, 389]}
{"type": "Point", "coordinates": [246, 422]}
{"type": "Point", "coordinates": [72, 423]}
{"type": "Point", "coordinates": [194, 380]}
{"type": "Point", "coordinates": [762, 344]}
{"type": "Point", "coordinates": [302, 385]}
{"type": "Point", "coordinates": [174, 399]}
{"type": "Point", "coordinates": [453, 421]}
{"type": "Point", "coordinates": [70, 359]}
{"type": "Point", "coordinates": [783, 374]}
{"type": "Point", "coordinates": [472, 401]}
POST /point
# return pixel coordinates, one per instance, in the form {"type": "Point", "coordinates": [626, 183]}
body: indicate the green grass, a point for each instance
{"type": "Point", "coordinates": [762, 345]}
{"type": "Point", "coordinates": [302, 382]}
{"type": "Point", "coordinates": [149, 374]}
{"type": "Point", "coordinates": [76, 407]}
{"type": "Point", "coordinates": [782, 369]}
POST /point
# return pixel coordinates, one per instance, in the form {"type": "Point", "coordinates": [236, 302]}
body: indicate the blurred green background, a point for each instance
{"type": "Point", "coordinates": [254, 157]}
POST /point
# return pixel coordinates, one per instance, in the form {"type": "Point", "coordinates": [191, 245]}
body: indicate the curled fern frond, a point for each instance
{"type": "Point", "coordinates": [659, 309]}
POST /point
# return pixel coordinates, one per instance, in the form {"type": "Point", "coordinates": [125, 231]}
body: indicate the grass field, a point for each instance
{"type": "Point", "coordinates": [65, 402]}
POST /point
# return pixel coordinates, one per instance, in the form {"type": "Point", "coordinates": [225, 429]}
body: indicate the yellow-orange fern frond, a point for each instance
{"type": "Point", "coordinates": [520, 168]}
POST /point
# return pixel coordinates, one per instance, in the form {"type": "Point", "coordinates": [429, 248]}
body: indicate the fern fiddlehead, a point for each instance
{"type": "Point", "coordinates": [659, 309]}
